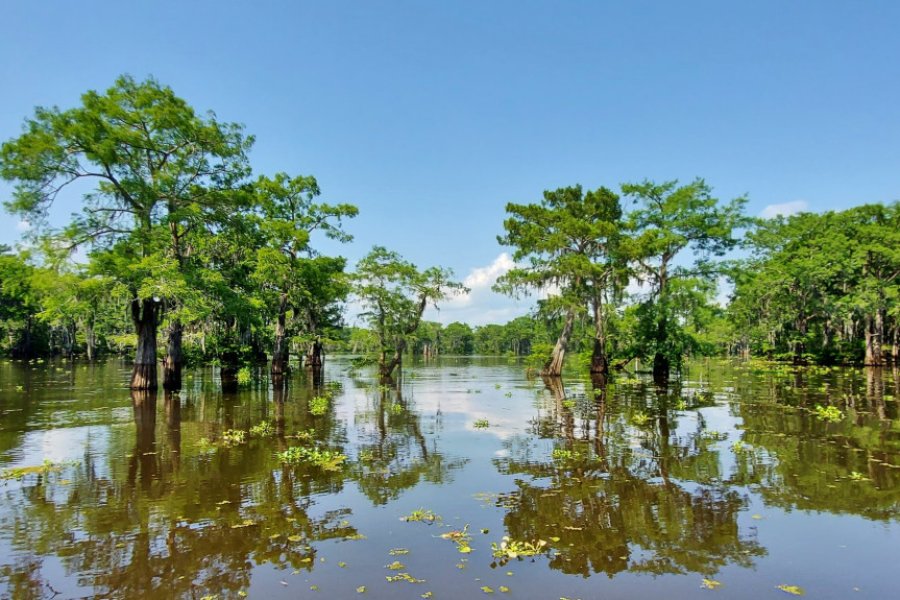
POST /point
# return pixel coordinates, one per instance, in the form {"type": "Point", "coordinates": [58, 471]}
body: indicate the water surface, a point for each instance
{"type": "Point", "coordinates": [731, 476]}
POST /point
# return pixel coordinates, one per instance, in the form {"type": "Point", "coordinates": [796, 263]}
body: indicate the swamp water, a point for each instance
{"type": "Point", "coordinates": [468, 481]}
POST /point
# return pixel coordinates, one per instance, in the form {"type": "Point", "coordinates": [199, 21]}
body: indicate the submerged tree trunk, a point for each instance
{"type": "Point", "coordinates": [599, 358]}
{"type": "Point", "coordinates": [554, 366]}
{"type": "Point", "coordinates": [874, 330]}
{"type": "Point", "coordinates": [174, 361]}
{"type": "Point", "coordinates": [145, 316]}
{"type": "Point", "coordinates": [386, 367]}
{"type": "Point", "coordinates": [228, 371]}
{"type": "Point", "coordinates": [280, 351]}
{"type": "Point", "coordinates": [895, 345]}
{"type": "Point", "coordinates": [314, 359]}
{"type": "Point", "coordinates": [89, 339]}
{"type": "Point", "coordinates": [661, 362]}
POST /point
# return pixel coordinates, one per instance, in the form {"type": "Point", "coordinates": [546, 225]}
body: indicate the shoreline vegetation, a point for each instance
{"type": "Point", "coordinates": [189, 258]}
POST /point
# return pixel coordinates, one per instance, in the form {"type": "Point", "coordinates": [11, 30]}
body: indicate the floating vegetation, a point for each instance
{"type": "Point", "coordinates": [305, 436]}
{"type": "Point", "coordinates": [361, 589]}
{"type": "Point", "coordinates": [856, 476]}
{"type": "Point", "coordinates": [832, 414]}
{"type": "Point", "coordinates": [318, 406]}
{"type": "Point", "coordinates": [712, 434]}
{"type": "Point", "coordinates": [244, 376]}
{"type": "Point", "coordinates": [328, 460]}
{"type": "Point", "coordinates": [398, 551]}
{"type": "Point", "coordinates": [710, 584]}
{"type": "Point", "coordinates": [509, 548]}
{"type": "Point", "coordinates": [233, 437]}
{"type": "Point", "coordinates": [403, 577]}
{"type": "Point", "coordinates": [738, 447]}
{"type": "Point", "coordinates": [264, 429]}
{"type": "Point", "coordinates": [19, 473]}
{"type": "Point", "coordinates": [487, 589]}
{"type": "Point", "coordinates": [481, 424]}
{"type": "Point", "coordinates": [640, 418]}
{"type": "Point", "coordinates": [395, 566]}
{"type": "Point", "coordinates": [562, 454]}
{"type": "Point", "coordinates": [794, 590]}
{"type": "Point", "coordinates": [461, 538]}
{"type": "Point", "coordinates": [421, 515]}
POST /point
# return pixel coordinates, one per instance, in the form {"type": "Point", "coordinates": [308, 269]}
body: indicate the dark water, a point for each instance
{"type": "Point", "coordinates": [732, 476]}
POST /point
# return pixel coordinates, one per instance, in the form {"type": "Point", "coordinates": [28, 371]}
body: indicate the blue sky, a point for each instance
{"type": "Point", "coordinates": [430, 116]}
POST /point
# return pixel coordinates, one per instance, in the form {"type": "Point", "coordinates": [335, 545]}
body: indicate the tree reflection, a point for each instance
{"type": "Point", "coordinates": [155, 524]}
{"type": "Point", "coordinates": [393, 455]}
{"type": "Point", "coordinates": [616, 498]}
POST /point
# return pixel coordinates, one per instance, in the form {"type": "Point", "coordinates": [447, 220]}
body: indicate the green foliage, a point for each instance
{"type": "Point", "coordinates": [820, 287]}
{"type": "Point", "coordinates": [328, 460]}
{"type": "Point", "coordinates": [832, 414]}
{"type": "Point", "coordinates": [394, 294]}
{"type": "Point", "coordinates": [318, 405]}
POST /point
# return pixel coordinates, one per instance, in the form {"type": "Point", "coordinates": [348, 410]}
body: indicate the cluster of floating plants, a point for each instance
{"type": "Point", "coordinates": [421, 515]}
{"type": "Point", "coordinates": [318, 406]}
{"type": "Point", "coordinates": [264, 429]}
{"type": "Point", "coordinates": [832, 414]}
{"type": "Point", "coordinates": [46, 468]}
{"type": "Point", "coordinates": [481, 424]}
{"type": "Point", "coordinates": [328, 460]}
{"type": "Point", "coordinates": [508, 549]}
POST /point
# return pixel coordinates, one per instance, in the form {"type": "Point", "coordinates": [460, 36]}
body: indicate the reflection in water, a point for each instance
{"type": "Point", "coordinates": [608, 506]}
{"type": "Point", "coordinates": [620, 476]}
{"type": "Point", "coordinates": [393, 454]}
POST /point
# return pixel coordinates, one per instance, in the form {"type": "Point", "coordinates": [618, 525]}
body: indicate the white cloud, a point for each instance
{"type": "Point", "coordinates": [23, 225]}
{"type": "Point", "coordinates": [786, 209]}
{"type": "Point", "coordinates": [481, 305]}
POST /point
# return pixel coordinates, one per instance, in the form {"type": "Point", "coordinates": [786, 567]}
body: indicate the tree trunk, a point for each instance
{"type": "Point", "coordinates": [599, 359]}
{"type": "Point", "coordinates": [314, 355]}
{"type": "Point", "coordinates": [661, 362]}
{"type": "Point", "coordinates": [228, 372]}
{"type": "Point", "coordinates": [145, 316]}
{"type": "Point", "coordinates": [89, 339]}
{"type": "Point", "coordinates": [174, 361]}
{"type": "Point", "coordinates": [387, 367]}
{"type": "Point", "coordinates": [874, 327]}
{"type": "Point", "coordinates": [554, 366]}
{"type": "Point", "coordinates": [895, 345]}
{"type": "Point", "coordinates": [280, 352]}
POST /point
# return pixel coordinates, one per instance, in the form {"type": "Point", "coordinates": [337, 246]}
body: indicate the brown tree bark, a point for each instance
{"type": "Point", "coordinates": [280, 352]}
{"type": "Point", "coordinates": [554, 366]}
{"type": "Point", "coordinates": [874, 334]}
{"type": "Point", "coordinates": [599, 358]}
{"type": "Point", "coordinates": [145, 316]}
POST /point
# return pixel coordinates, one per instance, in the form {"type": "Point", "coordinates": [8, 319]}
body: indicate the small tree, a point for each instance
{"type": "Point", "coordinates": [300, 282]}
{"type": "Point", "coordinates": [670, 219]}
{"type": "Point", "coordinates": [570, 242]}
{"type": "Point", "coordinates": [395, 294]}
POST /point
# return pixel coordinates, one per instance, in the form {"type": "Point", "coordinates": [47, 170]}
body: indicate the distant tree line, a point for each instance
{"type": "Point", "coordinates": [187, 257]}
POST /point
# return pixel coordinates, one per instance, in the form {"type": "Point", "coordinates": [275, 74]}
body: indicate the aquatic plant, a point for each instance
{"type": "Point", "coordinates": [422, 515]}
{"type": "Point", "coordinates": [328, 460]}
{"type": "Point", "coordinates": [832, 414]}
{"type": "Point", "coordinates": [481, 424]}
{"type": "Point", "coordinates": [318, 406]}
{"type": "Point", "coordinates": [233, 437]}
{"type": "Point", "coordinates": [509, 548]}
{"type": "Point", "coordinates": [264, 429]}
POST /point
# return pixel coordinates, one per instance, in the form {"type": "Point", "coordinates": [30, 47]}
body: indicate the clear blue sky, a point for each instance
{"type": "Point", "coordinates": [430, 116]}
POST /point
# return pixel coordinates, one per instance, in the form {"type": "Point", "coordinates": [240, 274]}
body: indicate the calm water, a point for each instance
{"type": "Point", "coordinates": [731, 476]}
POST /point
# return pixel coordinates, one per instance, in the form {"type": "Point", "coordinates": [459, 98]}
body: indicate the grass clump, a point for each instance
{"type": "Point", "coordinates": [318, 406]}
